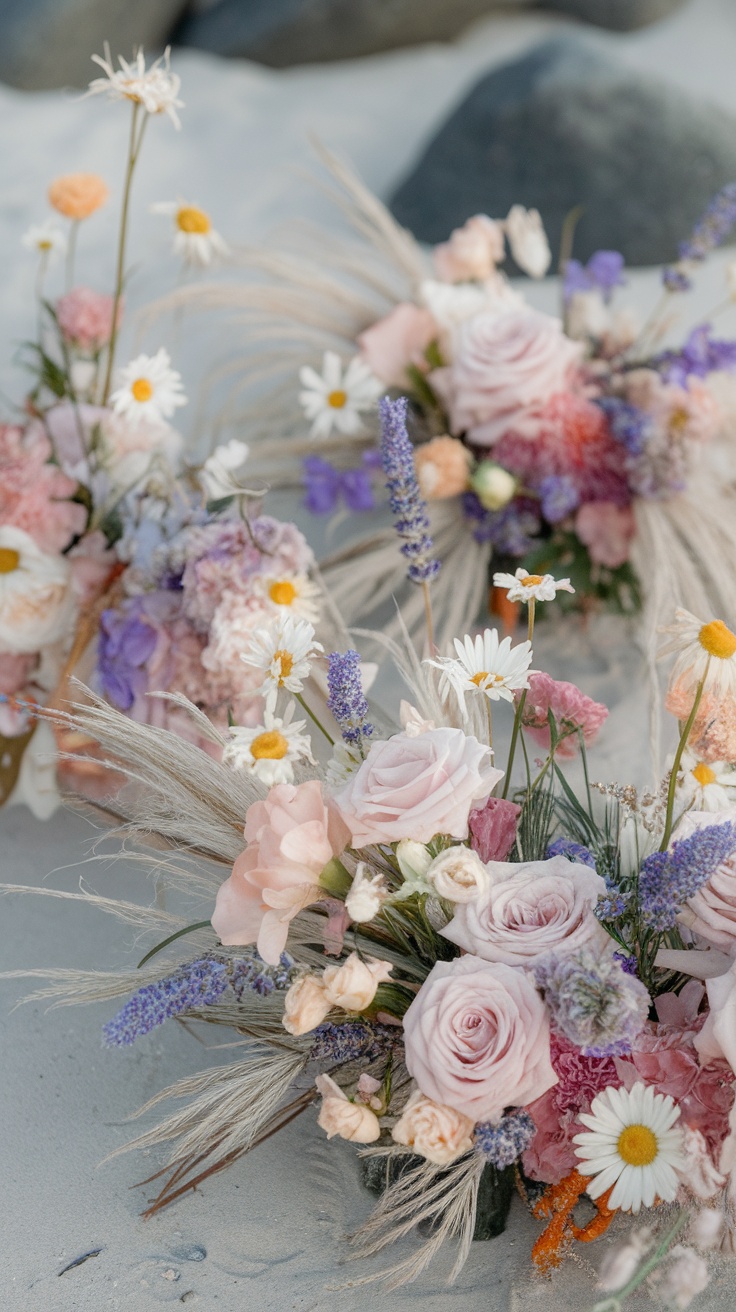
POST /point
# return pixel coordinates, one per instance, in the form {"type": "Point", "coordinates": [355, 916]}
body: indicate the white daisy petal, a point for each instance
{"type": "Point", "coordinates": [336, 399]}
{"type": "Point", "coordinates": [630, 1147]}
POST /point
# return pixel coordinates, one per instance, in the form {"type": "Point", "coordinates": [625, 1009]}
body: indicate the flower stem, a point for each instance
{"type": "Point", "coordinates": [615, 1302]}
{"type": "Point", "coordinates": [313, 717]}
{"type": "Point", "coordinates": [676, 763]}
{"type": "Point", "coordinates": [71, 252]}
{"type": "Point", "coordinates": [134, 147]}
{"type": "Point", "coordinates": [530, 618]}
{"type": "Point", "coordinates": [514, 739]}
{"type": "Point", "coordinates": [428, 617]}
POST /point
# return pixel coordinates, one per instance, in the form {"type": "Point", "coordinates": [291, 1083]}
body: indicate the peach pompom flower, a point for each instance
{"type": "Point", "coordinates": [443, 468]}
{"type": "Point", "coordinates": [155, 88]}
{"type": "Point", "coordinates": [195, 240]}
{"type": "Point", "coordinates": [78, 195]}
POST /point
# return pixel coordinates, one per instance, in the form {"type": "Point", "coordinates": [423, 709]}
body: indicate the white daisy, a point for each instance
{"type": "Point", "coordinates": [156, 88]}
{"type": "Point", "coordinates": [269, 750]}
{"type": "Point", "coordinates": [334, 399]}
{"type": "Point", "coordinates": [217, 473]}
{"type": "Point", "coordinates": [705, 786]}
{"type": "Point", "coordinates": [291, 593]}
{"type": "Point", "coordinates": [285, 653]}
{"type": "Point", "coordinates": [149, 389]}
{"type": "Point", "coordinates": [523, 586]}
{"type": "Point", "coordinates": [703, 651]}
{"type": "Point", "coordinates": [46, 238]}
{"type": "Point", "coordinates": [195, 240]}
{"type": "Point", "coordinates": [486, 665]}
{"type": "Point", "coordinates": [632, 1144]}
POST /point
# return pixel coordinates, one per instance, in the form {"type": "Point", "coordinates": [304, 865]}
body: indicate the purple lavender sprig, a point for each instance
{"type": "Point", "coordinates": [346, 700]}
{"type": "Point", "coordinates": [503, 1144]}
{"type": "Point", "coordinates": [354, 1040]}
{"type": "Point", "coordinates": [668, 879]}
{"type": "Point", "coordinates": [406, 501]}
{"type": "Point", "coordinates": [710, 231]}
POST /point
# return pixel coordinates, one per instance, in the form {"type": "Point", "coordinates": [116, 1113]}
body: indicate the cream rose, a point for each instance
{"type": "Point", "coordinates": [353, 985]}
{"type": "Point", "coordinates": [305, 1005]}
{"type": "Point", "coordinates": [529, 910]}
{"type": "Point", "coordinates": [472, 252]}
{"type": "Point", "coordinates": [36, 599]}
{"type": "Point", "coordinates": [458, 875]}
{"type": "Point", "coordinates": [711, 913]}
{"type": "Point", "coordinates": [338, 1115]}
{"type": "Point", "coordinates": [438, 1133]}
{"type": "Point", "coordinates": [477, 1038]}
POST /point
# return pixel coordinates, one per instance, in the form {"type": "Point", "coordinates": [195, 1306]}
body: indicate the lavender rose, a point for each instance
{"type": "Point", "coordinates": [477, 1038]}
{"type": "Point", "coordinates": [416, 787]}
{"type": "Point", "coordinates": [530, 910]}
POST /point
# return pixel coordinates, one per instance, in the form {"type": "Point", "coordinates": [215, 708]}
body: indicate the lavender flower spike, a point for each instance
{"type": "Point", "coordinates": [347, 700]}
{"type": "Point", "coordinates": [668, 879]}
{"type": "Point", "coordinates": [405, 499]}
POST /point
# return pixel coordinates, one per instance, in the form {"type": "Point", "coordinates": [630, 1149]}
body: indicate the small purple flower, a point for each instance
{"type": "Point", "coordinates": [503, 1144]}
{"type": "Point", "coordinates": [126, 643]}
{"type": "Point", "coordinates": [710, 231]}
{"type": "Point", "coordinates": [573, 851]}
{"type": "Point", "coordinates": [353, 1040]}
{"type": "Point", "coordinates": [604, 272]}
{"type": "Point", "coordinates": [405, 499]}
{"type": "Point", "coordinates": [668, 879]}
{"type": "Point", "coordinates": [558, 496]}
{"type": "Point", "coordinates": [593, 1001]}
{"type": "Point", "coordinates": [347, 701]}
{"type": "Point", "coordinates": [327, 486]}
{"type": "Point", "coordinates": [629, 424]}
{"type": "Point", "coordinates": [511, 530]}
{"type": "Point", "coordinates": [700, 356]}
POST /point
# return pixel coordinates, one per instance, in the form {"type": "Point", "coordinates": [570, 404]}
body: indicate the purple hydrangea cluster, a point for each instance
{"type": "Point", "coordinates": [629, 424]}
{"type": "Point", "coordinates": [405, 499]}
{"type": "Point", "coordinates": [355, 1040]}
{"type": "Point", "coordinates": [126, 643]}
{"type": "Point", "coordinates": [503, 1144]}
{"type": "Point", "coordinates": [511, 530]}
{"type": "Point", "coordinates": [603, 273]}
{"type": "Point", "coordinates": [573, 851]}
{"type": "Point", "coordinates": [593, 1001]}
{"type": "Point", "coordinates": [347, 701]}
{"type": "Point", "coordinates": [668, 879]}
{"type": "Point", "coordinates": [327, 487]}
{"type": "Point", "coordinates": [701, 355]}
{"type": "Point", "coordinates": [558, 496]}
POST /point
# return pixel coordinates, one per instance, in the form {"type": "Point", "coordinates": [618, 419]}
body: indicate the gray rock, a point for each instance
{"type": "Point", "coordinates": [48, 43]}
{"type": "Point", "coordinates": [567, 126]}
{"type": "Point", "coordinates": [285, 32]}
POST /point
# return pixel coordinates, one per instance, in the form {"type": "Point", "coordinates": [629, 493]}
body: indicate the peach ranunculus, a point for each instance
{"type": "Point", "coordinates": [443, 468]}
{"type": "Point", "coordinates": [352, 986]}
{"type": "Point", "coordinates": [440, 1134]}
{"type": "Point", "coordinates": [531, 909]}
{"type": "Point", "coordinates": [606, 530]}
{"type": "Point", "coordinates": [505, 368]}
{"type": "Point", "coordinates": [473, 251]}
{"type": "Point", "coordinates": [477, 1038]}
{"type": "Point", "coordinates": [78, 195]}
{"type": "Point", "coordinates": [711, 912]}
{"type": "Point", "coordinates": [417, 787]}
{"type": "Point", "coordinates": [290, 837]}
{"type": "Point", "coordinates": [305, 1005]}
{"type": "Point", "coordinates": [389, 346]}
{"type": "Point", "coordinates": [36, 601]}
{"type": "Point", "coordinates": [338, 1115]}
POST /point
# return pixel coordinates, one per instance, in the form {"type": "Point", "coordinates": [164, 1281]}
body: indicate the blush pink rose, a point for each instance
{"type": "Point", "coordinates": [606, 530]}
{"type": "Point", "coordinates": [473, 251]}
{"type": "Point", "coordinates": [477, 1038]}
{"type": "Point", "coordinates": [416, 787]}
{"type": "Point", "coordinates": [290, 837]}
{"type": "Point", "coordinates": [711, 913]}
{"type": "Point", "coordinates": [505, 368]}
{"type": "Point", "coordinates": [529, 910]}
{"type": "Point", "coordinates": [572, 711]}
{"type": "Point", "coordinates": [493, 828]}
{"type": "Point", "coordinates": [400, 339]}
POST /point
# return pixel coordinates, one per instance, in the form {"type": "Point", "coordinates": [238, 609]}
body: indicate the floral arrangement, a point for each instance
{"type": "Point", "coordinates": [493, 979]}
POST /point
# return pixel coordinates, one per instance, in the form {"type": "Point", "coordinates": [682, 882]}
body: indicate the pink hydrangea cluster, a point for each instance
{"type": "Point", "coordinates": [225, 556]}
{"type": "Point", "coordinates": [574, 713]}
{"type": "Point", "coordinates": [34, 494]}
{"type": "Point", "coordinates": [573, 441]}
{"type": "Point", "coordinates": [85, 318]}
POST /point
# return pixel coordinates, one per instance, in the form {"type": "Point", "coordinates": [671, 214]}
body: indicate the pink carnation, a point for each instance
{"type": "Point", "coordinates": [572, 439]}
{"type": "Point", "coordinates": [551, 1154]}
{"type": "Point", "coordinates": [396, 341]}
{"type": "Point", "coordinates": [493, 828]}
{"type": "Point", "coordinates": [34, 494]}
{"type": "Point", "coordinates": [572, 711]}
{"type": "Point", "coordinates": [85, 318]}
{"type": "Point", "coordinates": [606, 530]}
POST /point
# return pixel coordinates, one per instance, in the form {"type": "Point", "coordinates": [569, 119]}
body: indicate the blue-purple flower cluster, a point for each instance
{"type": "Point", "coordinates": [709, 232]}
{"type": "Point", "coordinates": [346, 700]}
{"type": "Point", "coordinates": [668, 879]}
{"type": "Point", "coordinates": [629, 424]}
{"type": "Point", "coordinates": [125, 644]}
{"type": "Point", "coordinates": [405, 499]}
{"type": "Point", "coordinates": [327, 487]}
{"type": "Point", "coordinates": [559, 497]}
{"type": "Point", "coordinates": [510, 531]}
{"type": "Point", "coordinates": [593, 1001]}
{"type": "Point", "coordinates": [701, 355]}
{"type": "Point", "coordinates": [603, 273]}
{"type": "Point", "coordinates": [354, 1040]}
{"type": "Point", "coordinates": [503, 1144]}
{"type": "Point", "coordinates": [573, 851]}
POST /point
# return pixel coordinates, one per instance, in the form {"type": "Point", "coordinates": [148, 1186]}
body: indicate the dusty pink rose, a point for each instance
{"type": "Point", "coordinates": [711, 913]}
{"type": "Point", "coordinates": [472, 252]}
{"type": "Point", "coordinates": [416, 787]}
{"type": "Point", "coordinates": [529, 910]}
{"type": "Point", "coordinates": [85, 317]}
{"type": "Point", "coordinates": [400, 339]}
{"type": "Point", "coordinates": [572, 711]}
{"type": "Point", "coordinates": [477, 1038]}
{"type": "Point", "coordinates": [606, 530]}
{"type": "Point", "coordinates": [289, 837]}
{"type": "Point", "coordinates": [439, 1134]}
{"type": "Point", "coordinates": [34, 494]}
{"type": "Point", "coordinates": [493, 828]}
{"type": "Point", "coordinates": [505, 369]}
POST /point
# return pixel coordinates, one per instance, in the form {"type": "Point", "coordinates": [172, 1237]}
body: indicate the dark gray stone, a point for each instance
{"type": "Point", "coordinates": [567, 126]}
{"type": "Point", "coordinates": [285, 32]}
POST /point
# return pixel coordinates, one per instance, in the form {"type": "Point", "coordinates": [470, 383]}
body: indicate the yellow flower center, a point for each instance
{"type": "Point", "coordinates": [718, 640]}
{"type": "Point", "coordinates": [637, 1145]}
{"type": "Point", "coordinates": [141, 389]}
{"type": "Point", "coordinates": [678, 420]}
{"type": "Point", "coordinates": [9, 560]}
{"type": "Point", "coordinates": [44, 244]}
{"type": "Point", "coordinates": [282, 593]}
{"type": "Point", "coordinates": [269, 746]}
{"type": "Point", "coordinates": [337, 399]}
{"type": "Point", "coordinates": [531, 580]}
{"type": "Point", "coordinates": [704, 774]}
{"type": "Point", "coordinates": [285, 662]}
{"type": "Point", "coordinates": [190, 219]}
{"type": "Point", "coordinates": [479, 678]}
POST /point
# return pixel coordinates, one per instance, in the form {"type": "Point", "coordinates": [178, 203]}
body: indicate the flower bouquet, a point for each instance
{"type": "Point", "coordinates": [492, 980]}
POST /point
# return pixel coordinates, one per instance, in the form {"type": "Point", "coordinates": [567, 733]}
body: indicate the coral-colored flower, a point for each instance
{"type": "Point", "coordinates": [443, 468]}
{"type": "Point", "coordinates": [78, 195]}
{"type": "Point", "coordinates": [572, 438]}
{"type": "Point", "coordinates": [85, 317]}
{"type": "Point", "coordinates": [573, 713]}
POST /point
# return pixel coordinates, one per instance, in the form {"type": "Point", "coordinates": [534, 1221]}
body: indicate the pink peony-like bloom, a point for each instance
{"type": "Point", "coordinates": [477, 1038]}
{"type": "Point", "coordinates": [34, 494]}
{"type": "Point", "coordinates": [473, 251]}
{"type": "Point", "coordinates": [606, 530]}
{"type": "Point", "coordinates": [85, 318]}
{"type": "Point", "coordinates": [493, 828]}
{"type": "Point", "coordinates": [529, 910]}
{"type": "Point", "coordinates": [505, 369]}
{"type": "Point", "coordinates": [572, 712]}
{"type": "Point", "coordinates": [417, 787]}
{"type": "Point", "coordinates": [711, 912]}
{"type": "Point", "coordinates": [290, 837]}
{"type": "Point", "coordinates": [551, 1154]}
{"type": "Point", "coordinates": [691, 413]}
{"type": "Point", "coordinates": [396, 341]}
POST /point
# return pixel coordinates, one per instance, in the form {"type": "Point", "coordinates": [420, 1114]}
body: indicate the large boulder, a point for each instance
{"type": "Point", "coordinates": [567, 126]}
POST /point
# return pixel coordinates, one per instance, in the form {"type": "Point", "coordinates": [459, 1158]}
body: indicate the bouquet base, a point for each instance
{"type": "Point", "coordinates": [494, 1194]}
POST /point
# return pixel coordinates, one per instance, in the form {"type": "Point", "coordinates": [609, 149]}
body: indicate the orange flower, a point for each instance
{"type": "Point", "coordinates": [78, 195]}
{"type": "Point", "coordinates": [443, 468]}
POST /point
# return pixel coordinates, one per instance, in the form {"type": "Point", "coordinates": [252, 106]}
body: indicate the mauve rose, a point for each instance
{"type": "Point", "coordinates": [711, 913]}
{"type": "Point", "coordinates": [290, 837]}
{"type": "Point", "coordinates": [477, 1038]}
{"type": "Point", "coordinates": [505, 368]}
{"type": "Point", "coordinates": [417, 787]}
{"type": "Point", "coordinates": [529, 910]}
{"type": "Point", "coordinates": [400, 339]}
{"type": "Point", "coordinates": [472, 252]}
{"type": "Point", "coordinates": [493, 828]}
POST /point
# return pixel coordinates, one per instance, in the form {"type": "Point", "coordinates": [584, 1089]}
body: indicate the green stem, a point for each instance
{"type": "Point", "coordinates": [514, 739]}
{"type": "Point", "coordinates": [133, 153]}
{"type": "Point", "coordinates": [188, 929]}
{"type": "Point", "coordinates": [71, 251]}
{"type": "Point", "coordinates": [428, 617]}
{"type": "Point", "coordinates": [678, 757]}
{"type": "Point", "coordinates": [615, 1302]}
{"type": "Point", "coordinates": [313, 717]}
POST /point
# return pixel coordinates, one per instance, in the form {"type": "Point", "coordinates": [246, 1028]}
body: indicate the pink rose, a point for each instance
{"type": "Point", "coordinates": [472, 252]}
{"type": "Point", "coordinates": [711, 912]}
{"type": "Point", "coordinates": [477, 1038]}
{"type": "Point", "coordinates": [505, 369]}
{"type": "Point", "coordinates": [529, 910]}
{"type": "Point", "coordinates": [606, 530]}
{"type": "Point", "coordinates": [572, 711]}
{"type": "Point", "coordinates": [416, 787]}
{"type": "Point", "coordinates": [85, 317]}
{"type": "Point", "coordinates": [290, 838]}
{"type": "Point", "coordinates": [400, 339]}
{"type": "Point", "coordinates": [493, 828]}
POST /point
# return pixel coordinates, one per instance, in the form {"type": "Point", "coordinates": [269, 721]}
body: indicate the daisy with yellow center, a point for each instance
{"type": "Point", "coordinates": [156, 88]}
{"type": "Point", "coordinates": [149, 390]}
{"type": "Point", "coordinates": [633, 1144]}
{"type": "Point", "coordinates": [705, 785]}
{"type": "Point", "coordinates": [284, 653]}
{"type": "Point", "coordinates": [195, 239]}
{"type": "Point", "coordinates": [526, 587]}
{"type": "Point", "coordinates": [47, 239]}
{"type": "Point", "coordinates": [336, 398]}
{"type": "Point", "coordinates": [704, 651]}
{"type": "Point", "coordinates": [269, 750]}
{"type": "Point", "coordinates": [485, 665]}
{"type": "Point", "coordinates": [292, 594]}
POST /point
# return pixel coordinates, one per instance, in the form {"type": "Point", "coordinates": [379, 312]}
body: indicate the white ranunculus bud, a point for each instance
{"type": "Point", "coordinates": [528, 241]}
{"type": "Point", "coordinates": [413, 858]}
{"type": "Point", "coordinates": [458, 875]}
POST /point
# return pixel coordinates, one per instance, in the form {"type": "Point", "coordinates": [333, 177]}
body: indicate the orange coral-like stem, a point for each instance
{"type": "Point", "coordinates": [558, 1203]}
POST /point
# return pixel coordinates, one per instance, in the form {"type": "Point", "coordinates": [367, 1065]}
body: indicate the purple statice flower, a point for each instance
{"type": "Point", "coordinates": [125, 644]}
{"type": "Point", "coordinates": [700, 356]}
{"type": "Point", "coordinates": [611, 908]}
{"type": "Point", "coordinates": [629, 424]}
{"type": "Point", "coordinates": [668, 879]}
{"type": "Point", "coordinates": [573, 851]}
{"type": "Point", "coordinates": [252, 973]}
{"type": "Point", "coordinates": [603, 272]}
{"type": "Point", "coordinates": [346, 700]}
{"type": "Point", "coordinates": [406, 501]}
{"type": "Point", "coordinates": [559, 497]}
{"type": "Point", "coordinates": [628, 964]}
{"type": "Point", "coordinates": [326, 486]}
{"type": "Point", "coordinates": [503, 1144]}
{"type": "Point", "coordinates": [511, 530]}
{"type": "Point", "coordinates": [354, 1040]}
{"type": "Point", "coordinates": [593, 1001]}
